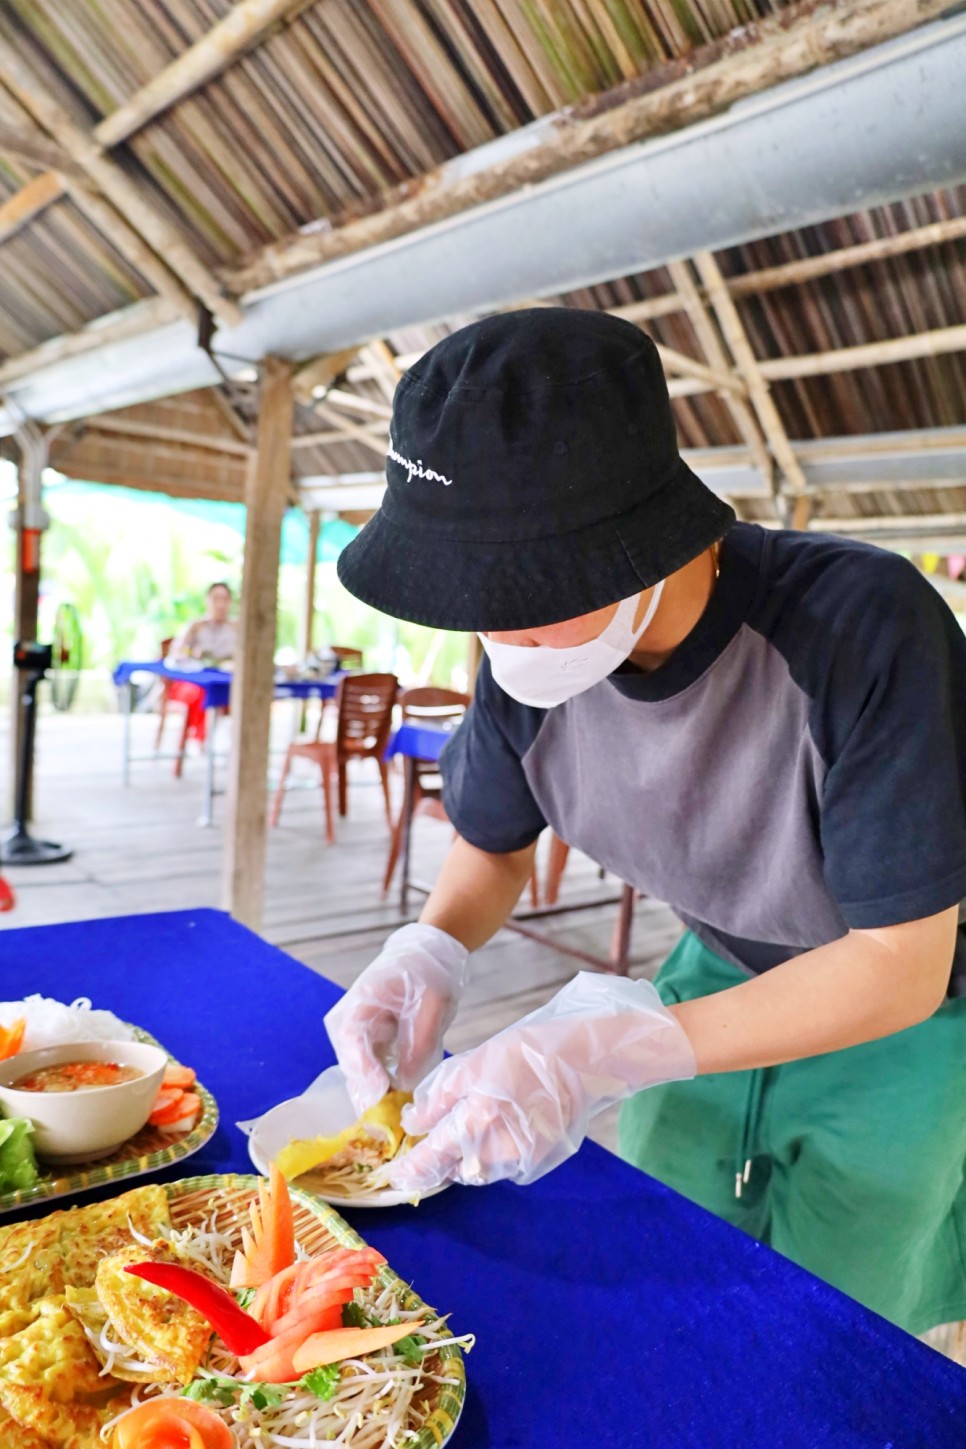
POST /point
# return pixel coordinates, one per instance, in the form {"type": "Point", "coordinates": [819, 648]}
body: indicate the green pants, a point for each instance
{"type": "Point", "coordinates": [857, 1158]}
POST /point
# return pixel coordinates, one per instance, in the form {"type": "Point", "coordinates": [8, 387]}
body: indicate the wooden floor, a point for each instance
{"type": "Point", "coordinates": [140, 849]}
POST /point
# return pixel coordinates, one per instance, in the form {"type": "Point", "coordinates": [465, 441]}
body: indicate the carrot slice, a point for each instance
{"type": "Point", "coordinates": [11, 1038]}
{"type": "Point", "coordinates": [171, 1424]}
{"type": "Point", "coordinates": [167, 1105]}
{"type": "Point", "coordinates": [270, 1246]}
{"type": "Point", "coordinates": [272, 1363]}
{"type": "Point", "coordinates": [180, 1112]}
{"type": "Point", "coordinates": [342, 1343]}
{"type": "Point", "coordinates": [175, 1075]}
{"type": "Point", "coordinates": [310, 1319]}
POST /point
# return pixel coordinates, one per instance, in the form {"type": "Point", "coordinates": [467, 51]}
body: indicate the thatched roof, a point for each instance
{"type": "Point", "coordinates": [149, 150]}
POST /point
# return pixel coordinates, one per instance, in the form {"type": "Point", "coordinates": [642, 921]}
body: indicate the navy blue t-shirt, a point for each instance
{"type": "Point", "coordinates": [797, 767]}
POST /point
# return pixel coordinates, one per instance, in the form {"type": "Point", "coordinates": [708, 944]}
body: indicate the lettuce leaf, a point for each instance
{"type": "Point", "coordinates": [18, 1166]}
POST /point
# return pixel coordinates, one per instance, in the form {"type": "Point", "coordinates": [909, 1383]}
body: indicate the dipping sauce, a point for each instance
{"type": "Point", "coordinates": [75, 1076]}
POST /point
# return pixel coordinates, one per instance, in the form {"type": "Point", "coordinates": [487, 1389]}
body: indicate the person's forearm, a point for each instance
{"type": "Point", "coordinates": [869, 984]}
{"type": "Point", "coordinates": [475, 892]}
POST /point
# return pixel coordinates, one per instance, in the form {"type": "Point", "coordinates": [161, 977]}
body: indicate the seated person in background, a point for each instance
{"type": "Point", "coordinates": [212, 638]}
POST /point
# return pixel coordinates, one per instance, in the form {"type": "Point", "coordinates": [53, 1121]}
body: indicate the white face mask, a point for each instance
{"type": "Point", "coordinates": [545, 677]}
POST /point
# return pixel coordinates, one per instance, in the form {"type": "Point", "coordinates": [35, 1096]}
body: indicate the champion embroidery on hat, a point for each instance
{"type": "Point", "coordinates": [416, 470]}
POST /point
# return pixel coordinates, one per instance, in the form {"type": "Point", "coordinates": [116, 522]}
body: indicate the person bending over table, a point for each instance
{"type": "Point", "coordinates": [212, 639]}
{"type": "Point", "coordinates": [764, 729]}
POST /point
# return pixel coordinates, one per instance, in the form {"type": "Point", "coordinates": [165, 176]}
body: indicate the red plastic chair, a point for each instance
{"type": "Point", "coordinates": [424, 704]}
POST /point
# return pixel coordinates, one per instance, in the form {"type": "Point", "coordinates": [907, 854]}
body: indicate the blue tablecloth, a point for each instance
{"type": "Point", "coordinates": [419, 742]}
{"type": "Point", "coordinates": [610, 1313]}
{"type": "Point", "coordinates": [216, 683]}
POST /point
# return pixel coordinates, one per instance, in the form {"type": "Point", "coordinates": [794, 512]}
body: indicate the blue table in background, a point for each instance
{"type": "Point", "coordinates": [610, 1313]}
{"type": "Point", "coordinates": [215, 685]}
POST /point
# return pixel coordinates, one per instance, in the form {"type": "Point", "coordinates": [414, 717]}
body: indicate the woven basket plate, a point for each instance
{"type": "Point", "coordinates": [146, 1151]}
{"type": "Point", "coordinates": [318, 1227]}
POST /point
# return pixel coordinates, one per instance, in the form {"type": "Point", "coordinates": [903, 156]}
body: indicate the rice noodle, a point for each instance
{"type": "Point", "coordinates": [49, 1022]}
{"type": "Point", "coordinates": [379, 1400]}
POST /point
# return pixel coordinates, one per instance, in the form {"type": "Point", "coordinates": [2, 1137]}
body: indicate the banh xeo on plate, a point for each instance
{"type": "Point", "coordinates": [317, 1141]}
{"type": "Point", "coordinates": [107, 1338]}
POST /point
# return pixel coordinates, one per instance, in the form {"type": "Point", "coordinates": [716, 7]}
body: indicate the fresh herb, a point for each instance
{"type": "Point", "coordinates": [263, 1396]}
{"type": "Point", "coordinates": [224, 1391]}
{"type": "Point", "coordinates": [245, 1297]}
{"type": "Point", "coordinates": [322, 1382]}
{"type": "Point", "coordinates": [410, 1349]}
{"type": "Point", "coordinates": [355, 1316]}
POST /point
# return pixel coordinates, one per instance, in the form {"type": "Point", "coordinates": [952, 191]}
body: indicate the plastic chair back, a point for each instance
{"type": "Point", "coordinates": [365, 703]}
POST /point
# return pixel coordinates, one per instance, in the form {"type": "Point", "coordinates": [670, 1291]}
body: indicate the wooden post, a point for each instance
{"type": "Point", "coordinates": [310, 563]}
{"type": "Point", "coordinates": [266, 492]}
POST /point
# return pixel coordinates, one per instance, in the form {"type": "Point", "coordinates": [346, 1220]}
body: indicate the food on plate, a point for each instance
{"type": "Point", "coordinates": [18, 1165]}
{"type": "Point", "coordinates": [120, 1331]}
{"type": "Point", "coordinates": [51, 1023]}
{"type": "Point", "coordinates": [76, 1077]}
{"type": "Point", "coordinates": [163, 1423]}
{"type": "Point", "coordinates": [269, 1247]}
{"type": "Point", "coordinates": [353, 1160]}
{"type": "Point", "coordinates": [160, 1331]}
{"type": "Point", "coordinates": [11, 1038]}
{"type": "Point", "coordinates": [176, 1107]}
{"type": "Point", "coordinates": [52, 1389]}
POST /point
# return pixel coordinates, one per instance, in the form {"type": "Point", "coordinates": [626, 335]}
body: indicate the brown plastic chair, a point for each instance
{"type": "Point", "coordinates": [621, 936]}
{"type": "Point", "coordinates": [348, 656]}
{"type": "Point", "coordinates": [365, 704]}
{"type": "Point", "coordinates": [429, 705]}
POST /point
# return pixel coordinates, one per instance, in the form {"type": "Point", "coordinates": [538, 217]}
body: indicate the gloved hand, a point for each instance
{"type": "Point", "coordinates": [520, 1104]}
{"type": "Point", "coordinates": [388, 1028]}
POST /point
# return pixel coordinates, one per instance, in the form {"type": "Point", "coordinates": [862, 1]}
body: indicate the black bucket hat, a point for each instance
{"type": "Point", "coordinates": [533, 476]}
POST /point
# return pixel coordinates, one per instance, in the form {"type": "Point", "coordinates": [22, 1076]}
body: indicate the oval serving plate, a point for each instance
{"type": "Point", "coordinates": [323, 1111]}
{"type": "Point", "coordinates": [147, 1151]}
{"type": "Point", "coordinates": [223, 1202]}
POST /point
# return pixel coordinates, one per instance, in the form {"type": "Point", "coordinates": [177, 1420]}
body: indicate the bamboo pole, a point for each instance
{"type": "Point", "coordinates": [762, 55]}
{"type": "Point", "coordinates": [141, 317]}
{"type": "Point", "coordinates": [308, 629]}
{"type": "Point", "coordinates": [789, 274]}
{"type": "Point", "coordinates": [130, 427]}
{"type": "Point", "coordinates": [28, 202]}
{"type": "Point", "coordinates": [32, 148]}
{"type": "Point", "coordinates": [17, 78]}
{"type": "Point", "coordinates": [868, 354]}
{"type": "Point", "coordinates": [321, 372]}
{"type": "Point", "coordinates": [343, 433]}
{"type": "Point", "coordinates": [129, 244]}
{"type": "Point", "coordinates": [741, 414]}
{"type": "Point", "coordinates": [717, 378]}
{"type": "Point", "coordinates": [245, 23]}
{"type": "Point", "coordinates": [357, 404]}
{"type": "Point", "coordinates": [243, 880]}
{"type": "Point", "coordinates": [750, 369]}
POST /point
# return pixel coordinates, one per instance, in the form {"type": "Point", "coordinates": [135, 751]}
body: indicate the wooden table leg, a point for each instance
{"type": "Point", "coordinates": [621, 939]}
{"type": "Point", "coordinates": [406, 820]}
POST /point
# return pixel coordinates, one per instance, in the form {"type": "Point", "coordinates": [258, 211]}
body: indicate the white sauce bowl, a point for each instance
{"type": "Point", "coordinates": [84, 1125]}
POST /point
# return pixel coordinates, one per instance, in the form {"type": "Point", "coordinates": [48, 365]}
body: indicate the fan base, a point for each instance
{"type": "Point", "coordinates": [19, 848]}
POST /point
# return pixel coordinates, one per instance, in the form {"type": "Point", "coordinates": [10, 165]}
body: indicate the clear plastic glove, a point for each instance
{"type": "Point", "coordinates": [520, 1104]}
{"type": "Point", "coordinates": [388, 1028]}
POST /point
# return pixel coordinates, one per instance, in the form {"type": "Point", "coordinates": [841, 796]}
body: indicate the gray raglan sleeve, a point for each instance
{"type": "Point", "coordinates": [485, 790]}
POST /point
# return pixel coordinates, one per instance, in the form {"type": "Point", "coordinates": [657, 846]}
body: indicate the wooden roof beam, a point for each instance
{"type": "Point", "coordinates": [17, 77]}
{"type": "Point", "coordinates": [141, 317]}
{"type": "Point", "coordinates": [31, 148]}
{"type": "Point", "coordinates": [789, 274]}
{"type": "Point", "coordinates": [319, 373]}
{"type": "Point", "coordinates": [28, 202]}
{"type": "Point", "coordinates": [750, 369]}
{"type": "Point", "coordinates": [130, 427]}
{"type": "Point", "coordinates": [760, 56]}
{"type": "Point", "coordinates": [246, 23]}
{"type": "Point", "coordinates": [869, 354]}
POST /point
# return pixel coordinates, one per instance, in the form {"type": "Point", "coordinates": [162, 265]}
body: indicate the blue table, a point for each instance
{"type": "Point", "coordinates": [215, 685]}
{"type": "Point", "coordinates": [609, 1312]}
